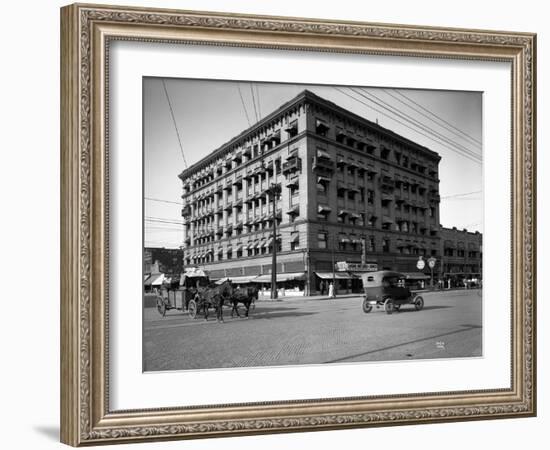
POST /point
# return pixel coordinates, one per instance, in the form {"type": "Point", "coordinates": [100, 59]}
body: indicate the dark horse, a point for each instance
{"type": "Point", "coordinates": [245, 295]}
{"type": "Point", "coordinates": [214, 296]}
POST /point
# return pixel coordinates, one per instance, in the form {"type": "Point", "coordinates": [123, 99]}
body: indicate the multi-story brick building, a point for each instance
{"type": "Point", "coordinates": [461, 255]}
{"type": "Point", "coordinates": [351, 191]}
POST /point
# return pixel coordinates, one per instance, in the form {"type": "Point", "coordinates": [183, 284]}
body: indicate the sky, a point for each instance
{"type": "Point", "coordinates": [208, 113]}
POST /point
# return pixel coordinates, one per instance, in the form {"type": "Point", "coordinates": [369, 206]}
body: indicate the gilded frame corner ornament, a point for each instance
{"type": "Point", "coordinates": [86, 31]}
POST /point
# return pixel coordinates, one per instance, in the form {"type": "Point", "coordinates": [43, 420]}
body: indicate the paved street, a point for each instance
{"type": "Point", "coordinates": [316, 331]}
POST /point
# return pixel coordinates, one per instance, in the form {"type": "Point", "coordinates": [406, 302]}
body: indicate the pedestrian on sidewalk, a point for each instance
{"type": "Point", "coordinates": [323, 287]}
{"type": "Point", "coordinates": [331, 290]}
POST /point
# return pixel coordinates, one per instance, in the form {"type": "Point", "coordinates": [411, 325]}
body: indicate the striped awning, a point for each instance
{"type": "Point", "coordinates": [335, 275]}
{"type": "Point", "coordinates": [281, 277]}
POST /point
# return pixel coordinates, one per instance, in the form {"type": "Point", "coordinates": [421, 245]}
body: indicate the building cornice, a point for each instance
{"type": "Point", "coordinates": [302, 98]}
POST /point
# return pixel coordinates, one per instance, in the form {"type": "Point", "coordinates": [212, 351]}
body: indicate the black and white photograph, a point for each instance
{"type": "Point", "coordinates": [292, 224]}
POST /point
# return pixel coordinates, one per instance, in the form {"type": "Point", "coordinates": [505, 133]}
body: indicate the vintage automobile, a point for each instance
{"type": "Point", "coordinates": [387, 289]}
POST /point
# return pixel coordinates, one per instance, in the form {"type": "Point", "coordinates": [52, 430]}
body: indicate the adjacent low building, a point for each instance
{"type": "Point", "coordinates": [351, 191]}
{"type": "Point", "coordinates": [168, 261]}
{"type": "Point", "coordinates": [462, 256]}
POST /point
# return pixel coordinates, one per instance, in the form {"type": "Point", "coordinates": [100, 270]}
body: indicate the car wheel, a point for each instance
{"type": "Point", "coordinates": [367, 307]}
{"type": "Point", "coordinates": [418, 303]}
{"type": "Point", "coordinates": [388, 306]}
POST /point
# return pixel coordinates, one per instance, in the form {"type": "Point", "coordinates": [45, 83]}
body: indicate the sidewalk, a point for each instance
{"type": "Point", "coordinates": [355, 294]}
{"type": "Point", "coordinates": [309, 297]}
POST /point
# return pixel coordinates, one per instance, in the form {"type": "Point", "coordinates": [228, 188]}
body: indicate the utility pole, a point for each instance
{"type": "Point", "coordinates": [333, 273]}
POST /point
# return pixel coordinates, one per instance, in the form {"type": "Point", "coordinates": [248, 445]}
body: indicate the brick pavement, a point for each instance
{"type": "Point", "coordinates": [294, 331]}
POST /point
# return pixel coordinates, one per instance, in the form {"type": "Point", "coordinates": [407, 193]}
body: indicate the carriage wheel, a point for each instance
{"type": "Point", "coordinates": [418, 303]}
{"type": "Point", "coordinates": [388, 306]}
{"type": "Point", "coordinates": [161, 307]}
{"type": "Point", "coordinates": [192, 309]}
{"type": "Point", "coordinates": [367, 307]}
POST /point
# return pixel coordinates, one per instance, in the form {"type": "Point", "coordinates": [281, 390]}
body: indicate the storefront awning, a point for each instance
{"type": "Point", "coordinates": [337, 275]}
{"type": "Point", "coordinates": [154, 280]}
{"type": "Point", "coordinates": [281, 277]}
{"type": "Point", "coordinates": [242, 279]}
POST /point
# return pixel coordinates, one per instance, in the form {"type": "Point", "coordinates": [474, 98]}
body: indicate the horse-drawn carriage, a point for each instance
{"type": "Point", "coordinates": [387, 289]}
{"type": "Point", "coordinates": [197, 295]}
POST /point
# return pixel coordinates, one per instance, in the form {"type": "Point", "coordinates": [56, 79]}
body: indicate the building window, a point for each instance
{"type": "Point", "coordinates": [229, 254]}
{"type": "Point", "coordinates": [370, 197]}
{"type": "Point", "coordinates": [386, 245]}
{"type": "Point", "coordinates": [371, 244]}
{"type": "Point", "coordinates": [292, 129]}
{"type": "Point", "coordinates": [321, 128]}
{"type": "Point", "coordinates": [322, 216]}
{"type": "Point", "coordinates": [294, 241]}
{"type": "Point", "coordinates": [432, 211]}
{"type": "Point", "coordinates": [322, 240]}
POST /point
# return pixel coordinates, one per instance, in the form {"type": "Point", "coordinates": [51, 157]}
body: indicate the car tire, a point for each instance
{"type": "Point", "coordinates": [367, 307]}
{"type": "Point", "coordinates": [388, 306]}
{"type": "Point", "coordinates": [418, 303]}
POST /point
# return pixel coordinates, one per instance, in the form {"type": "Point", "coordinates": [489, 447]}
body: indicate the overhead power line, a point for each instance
{"type": "Point", "coordinates": [465, 194]}
{"type": "Point", "coordinates": [244, 106]}
{"type": "Point", "coordinates": [174, 121]}
{"type": "Point", "coordinates": [458, 130]}
{"type": "Point", "coordinates": [259, 104]}
{"type": "Point", "coordinates": [162, 201]}
{"type": "Point", "coordinates": [432, 138]}
{"type": "Point", "coordinates": [416, 122]}
{"type": "Point", "coordinates": [254, 102]}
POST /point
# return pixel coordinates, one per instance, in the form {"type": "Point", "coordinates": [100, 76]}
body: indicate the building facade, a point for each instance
{"type": "Point", "coordinates": [351, 191]}
{"type": "Point", "coordinates": [169, 261]}
{"type": "Point", "coordinates": [462, 255]}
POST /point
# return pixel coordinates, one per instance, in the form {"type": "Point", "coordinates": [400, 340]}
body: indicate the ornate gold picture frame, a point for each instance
{"type": "Point", "coordinates": [87, 31]}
